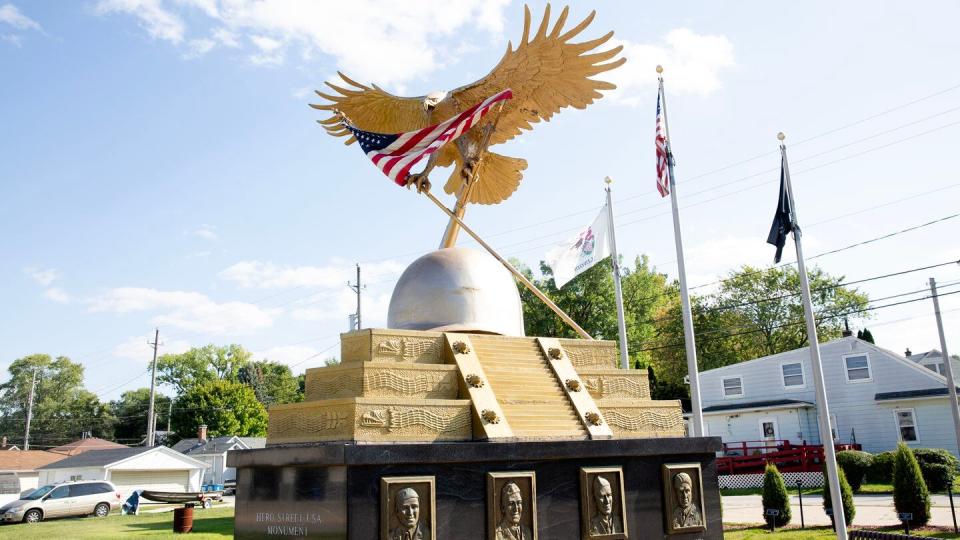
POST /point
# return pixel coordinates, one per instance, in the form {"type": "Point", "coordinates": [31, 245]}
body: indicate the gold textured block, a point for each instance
{"type": "Point", "coordinates": [370, 420]}
{"type": "Point", "coordinates": [609, 383]}
{"type": "Point", "coordinates": [569, 380]}
{"type": "Point", "coordinates": [421, 381]}
{"type": "Point", "coordinates": [383, 345]}
{"type": "Point", "coordinates": [642, 419]}
{"type": "Point", "coordinates": [591, 354]}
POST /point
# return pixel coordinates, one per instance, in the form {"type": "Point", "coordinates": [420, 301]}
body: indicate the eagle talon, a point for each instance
{"type": "Point", "coordinates": [420, 180]}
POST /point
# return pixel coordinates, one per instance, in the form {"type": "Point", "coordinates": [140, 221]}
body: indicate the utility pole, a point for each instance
{"type": "Point", "coordinates": [357, 287]}
{"type": "Point", "coordinates": [153, 387]}
{"type": "Point", "coordinates": [169, 413]}
{"type": "Point", "coordinates": [26, 434]}
{"type": "Point", "coordinates": [951, 385]}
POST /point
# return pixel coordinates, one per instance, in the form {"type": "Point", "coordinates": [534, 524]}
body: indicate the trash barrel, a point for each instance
{"type": "Point", "coordinates": [183, 519]}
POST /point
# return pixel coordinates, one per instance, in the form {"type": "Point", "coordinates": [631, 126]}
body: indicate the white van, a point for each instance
{"type": "Point", "coordinates": [92, 497]}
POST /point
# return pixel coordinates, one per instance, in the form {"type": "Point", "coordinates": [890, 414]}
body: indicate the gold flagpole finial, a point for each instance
{"type": "Point", "coordinates": [659, 68]}
{"type": "Point", "coordinates": [608, 180]}
{"type": "Point", "coordinates": [781, 136]}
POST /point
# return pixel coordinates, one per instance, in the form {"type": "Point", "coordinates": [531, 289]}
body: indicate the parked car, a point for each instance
{"type": "Point", "coordinates": [92, 497]}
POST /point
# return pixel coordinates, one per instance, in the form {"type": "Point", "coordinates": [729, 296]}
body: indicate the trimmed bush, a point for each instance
{"type": "Point", "coordinates": [846, 495]}
{"type": "Point", "coordinates": [775, 496]}
{"type": "Point", "coordinates": [909, 490]}
{"type": "Point", "coordinates": [855, 465]}
{"type": "Point", "coordinates": [881, 470]}
{"type": "Point", "coordinates": [938, 467]}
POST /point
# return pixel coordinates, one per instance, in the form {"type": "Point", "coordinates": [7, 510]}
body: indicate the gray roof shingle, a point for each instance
{"type": "Point", "coordinates": [97, 458]}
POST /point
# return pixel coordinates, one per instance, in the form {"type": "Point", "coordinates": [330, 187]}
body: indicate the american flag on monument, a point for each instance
{"type": "Point", "coordinates": [395, 154]}
{"type": "Point", "coordinates": [663, 169]}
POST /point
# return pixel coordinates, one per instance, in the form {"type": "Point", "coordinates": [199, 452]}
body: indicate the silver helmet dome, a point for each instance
{"type": "Point", "coordinates": [456, 290]}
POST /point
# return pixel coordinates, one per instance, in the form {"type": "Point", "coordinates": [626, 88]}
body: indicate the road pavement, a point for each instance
{"type": "Point", "coordinates": [872, 510]}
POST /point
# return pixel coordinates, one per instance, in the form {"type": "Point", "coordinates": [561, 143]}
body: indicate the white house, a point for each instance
{"type": "Point", "coordinates": [876, 397]}
{"type": "Point", "coordinates": [158, 468]}
{"type": "Point", "coordinates": [213, 452]}
{"type": "Point", "coordinates": [933, 360]}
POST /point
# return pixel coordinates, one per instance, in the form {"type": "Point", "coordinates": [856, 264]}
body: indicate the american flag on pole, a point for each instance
{"type": "Point", "coordinates": [663, 168]}
{"type": "Point", "coordinates": [395, 154]}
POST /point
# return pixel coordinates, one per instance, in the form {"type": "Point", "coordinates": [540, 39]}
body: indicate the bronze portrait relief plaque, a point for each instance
{"type": "Point", "coordinates": [683, 498]}
{"type": "Point", "coordinates": [408, 508]}
{"type": "Point", "coordinates": [512, 505]}
{"type": "Point", "coordinates": [602, 504]}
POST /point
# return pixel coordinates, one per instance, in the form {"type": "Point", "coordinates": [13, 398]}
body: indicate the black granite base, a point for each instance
{"type": "Point", "coordinates": [332, 490]}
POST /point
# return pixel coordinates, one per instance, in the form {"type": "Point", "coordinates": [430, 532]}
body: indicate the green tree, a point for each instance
{"type": "Point", "coordinates": [226, 407]}
{"type": "Point", "coordinates": [775, 496]}
{"type": "Point", "coordinates": [865, 335]}
{"type": "Point", "coordinates": [200, 365]}
{"type": "Point", "coordinates": [131, 414]}
{"type": "Point", "coordinates": [770, 304]}
{"type": "Point", "coordinates": [590, 300]}
{"type": "Point", "coordinates": [63, 410]}
{"type": "Point", "coordinates": [272, 382]}
{"type": "Point", "coordinates": [846, 496]}
{"type": "Point", "coordinates": [909, 490]}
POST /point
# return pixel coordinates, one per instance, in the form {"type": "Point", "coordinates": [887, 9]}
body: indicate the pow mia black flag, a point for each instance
{"type": "Point", "coordinates": [782, 220]}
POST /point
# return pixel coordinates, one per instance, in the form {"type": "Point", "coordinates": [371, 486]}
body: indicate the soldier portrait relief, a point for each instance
{"type": "Point", "coordinates": [602, 503]}
{"type": "Point", "coordinates": [407, 508]}
{"type": "Point", "coordinates": [683, 494]}
{"type": "Point", "coordinates": [511, 506]}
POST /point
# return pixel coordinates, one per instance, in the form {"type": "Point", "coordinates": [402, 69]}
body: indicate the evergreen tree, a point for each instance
{"type": "Point", "coordinates": [775, 496]}
{"type": "Point", "coordinates": [866, 336]}
{"type": "Point", "coordinates": [910, 492]}
{"type": "Point", "coordinates": [846, 496]}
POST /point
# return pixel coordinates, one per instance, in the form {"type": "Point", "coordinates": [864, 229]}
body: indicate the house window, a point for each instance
{"type": "Point", "coordinates": [858, 367]}
{"type": "Point", "coordinates": [733, 387]}
{"type": "Point", "coordinates": [793, 375]}
{"type": "Point", "coordinates": [906, 424]}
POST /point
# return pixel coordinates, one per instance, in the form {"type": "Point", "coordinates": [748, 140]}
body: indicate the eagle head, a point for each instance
{"type": "Point", "coordinates": [432, 100]}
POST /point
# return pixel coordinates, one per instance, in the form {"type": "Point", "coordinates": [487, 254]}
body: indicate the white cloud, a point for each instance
{"type": "Point", "coordinates": [136, 348]}
{"type": "Point", "coordinates": [9, 14]}
{"type": "Point", "coordinates": [199, 47]}
{"type": "Point", "coordinates": [57, 295]}
{"type": "Point", "coordinates": [270, 53]}
{"type": "Point", "coordinates": [692, 65]}
{"type": "Point", "coordinates": [189, 311]}
{"type": "Point", "coordinates": [207, 232]}
{"type": "Point", "coordinates": [42, 277]}
{"type": "Point", "coordinates": [354, 33]}
{"type": "Point", "coordinates": [13, 39]}
{"type": "Point", "coordinates": [154, 18]}
{"type": "Point", "coordinates": [266, 275]}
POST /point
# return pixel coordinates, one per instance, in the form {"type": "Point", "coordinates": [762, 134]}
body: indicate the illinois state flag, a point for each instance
{"type": "Point", "coordinates": [577, 255]}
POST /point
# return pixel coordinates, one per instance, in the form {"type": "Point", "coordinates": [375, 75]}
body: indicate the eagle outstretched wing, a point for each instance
{"type": "Point", "coordinates": [546, 74]}
{"type": "Point", "coordinates": [369, 108]}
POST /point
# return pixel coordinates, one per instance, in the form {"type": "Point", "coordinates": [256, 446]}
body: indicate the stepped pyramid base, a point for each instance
{"type": "Point", "coordinates": [412, 386]}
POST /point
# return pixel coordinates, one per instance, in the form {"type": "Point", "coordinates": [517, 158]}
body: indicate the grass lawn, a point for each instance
{"type": "Point", "coordinates": [812, 533]}
{"type": "Point", "coordinates": [207, 524]}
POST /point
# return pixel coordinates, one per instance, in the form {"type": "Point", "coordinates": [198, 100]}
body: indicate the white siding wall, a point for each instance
{"type": "Point", "coordinates": [792, 424]}
{"type": "Point", "coordinates": [933, 420]}
{"type": "Point", "coordinates": [852, 403]}
{"type": "Point", "coordinates": [52, 476]}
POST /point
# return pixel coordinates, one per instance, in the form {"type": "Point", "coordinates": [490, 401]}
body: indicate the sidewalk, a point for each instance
{"type": "Point", "coordinates": [872, 510]}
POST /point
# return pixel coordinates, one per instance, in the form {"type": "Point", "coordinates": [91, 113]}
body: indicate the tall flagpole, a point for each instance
{"type": "Point", "coordinates": [696, 413]}
{"type": "Point", "coordinates": [823, 411]}
{"type": "Point", "coordinates": [615, 263]}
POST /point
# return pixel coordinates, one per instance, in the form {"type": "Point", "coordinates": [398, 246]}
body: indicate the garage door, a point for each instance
{"type": "Point", "coordinates": [127, 481]}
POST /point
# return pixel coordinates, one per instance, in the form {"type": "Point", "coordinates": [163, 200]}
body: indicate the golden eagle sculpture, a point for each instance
{"type": "Point", "coordinates": [546, 72]}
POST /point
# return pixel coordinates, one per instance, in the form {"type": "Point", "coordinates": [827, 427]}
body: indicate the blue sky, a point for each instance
{"type": "Point", "coordinates": [159, 165]}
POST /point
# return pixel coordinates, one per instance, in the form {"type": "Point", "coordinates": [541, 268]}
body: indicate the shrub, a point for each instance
{"type": "Point", "coordinates": [775, 496]}
{"type": "Point", "coordinates": [855, 465]}
{"type": "Point", "coordinates": [938, 467]}
{"type": "Point", "coordinates": [846, 495]}
{"type": "Point", "coordinates": [881, 470]}
{"type": "Point", "coordinates": [909, 490]}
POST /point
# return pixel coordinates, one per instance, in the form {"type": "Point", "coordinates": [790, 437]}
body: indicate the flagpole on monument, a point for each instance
{"type": "Point", "coordinates": [823, 411]}
{"type": "Point", "coordinates": [618, 289]}
{"type": "Point", "coordinates": [696, 414]}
